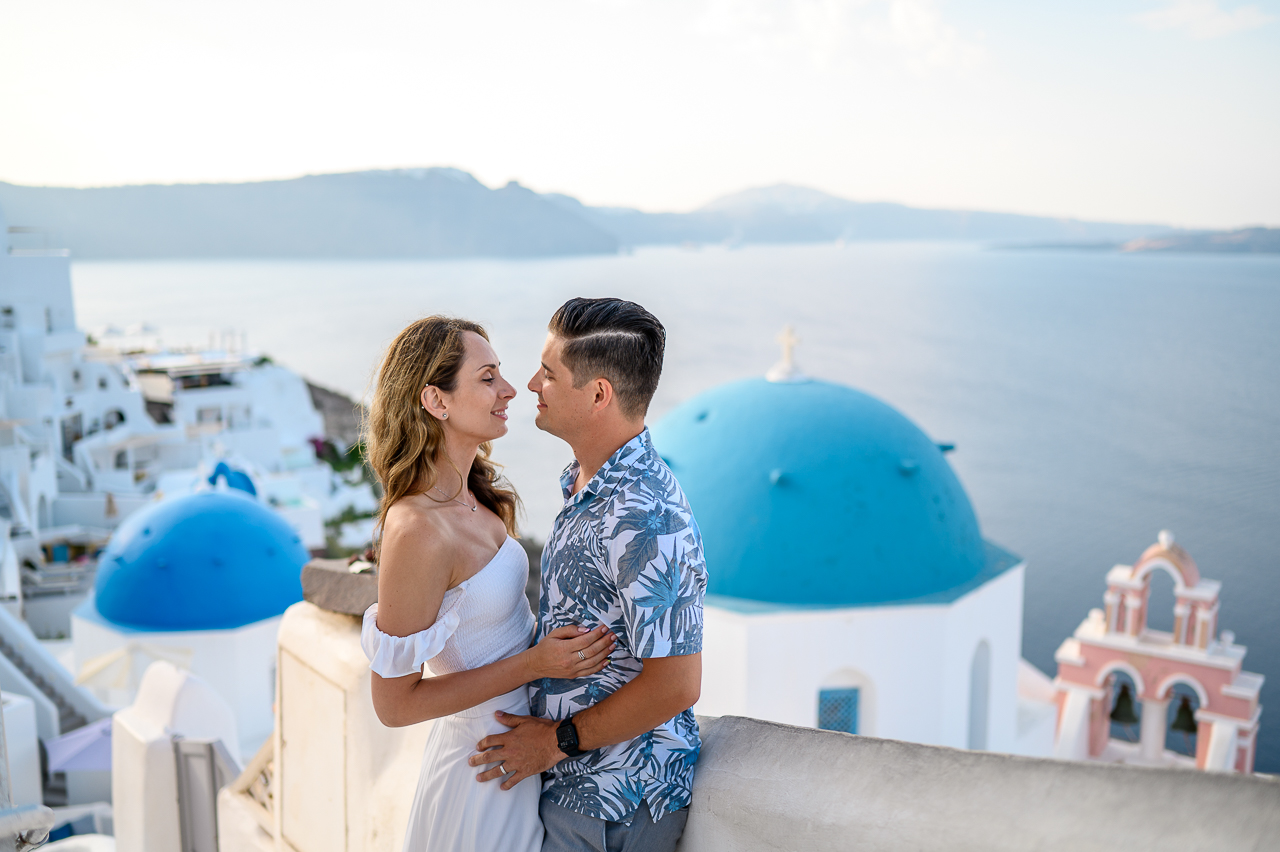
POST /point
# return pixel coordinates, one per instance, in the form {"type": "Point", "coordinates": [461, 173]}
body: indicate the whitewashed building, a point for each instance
{"type": "Point", "coordinates": [93, 430]}
{"type": "Point", "coordinates": [98, 432]}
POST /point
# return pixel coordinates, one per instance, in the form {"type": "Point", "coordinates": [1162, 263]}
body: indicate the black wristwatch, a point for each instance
{"type": "Point", "coordinates": [567, 737]}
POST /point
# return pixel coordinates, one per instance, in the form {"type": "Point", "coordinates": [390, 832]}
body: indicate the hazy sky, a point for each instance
{"type": "Point", "coordinates": [1150, 110]}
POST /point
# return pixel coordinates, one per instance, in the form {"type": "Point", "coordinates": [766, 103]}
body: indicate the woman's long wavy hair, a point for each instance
{"type": "Point", "coordinates": [405, 444]}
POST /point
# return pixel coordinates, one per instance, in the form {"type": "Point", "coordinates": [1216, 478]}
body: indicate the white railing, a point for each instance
{"type": "Point", "coordinates": [25, 827]}
{"type": "Point", "coordinates": [55, 684]}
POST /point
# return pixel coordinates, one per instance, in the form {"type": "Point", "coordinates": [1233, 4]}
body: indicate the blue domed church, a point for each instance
{"type": "Point", "coordinates": [849, 585]}
{"type": "Point", "coordinates": [200, 581]}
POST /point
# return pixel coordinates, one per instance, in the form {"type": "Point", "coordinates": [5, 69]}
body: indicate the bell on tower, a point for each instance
{"type": "Point", "coordinates": [1184, 721]}
{"type": "Point", "coordinates": [1122, 714]}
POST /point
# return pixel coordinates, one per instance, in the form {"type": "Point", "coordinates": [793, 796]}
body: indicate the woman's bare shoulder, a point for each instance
{"type": "Point", "coordinates": [415, 519]}
{"type": "Point", "coordinates": [415, 566]}
{"type": "Point", "coordinates": [414, 532]}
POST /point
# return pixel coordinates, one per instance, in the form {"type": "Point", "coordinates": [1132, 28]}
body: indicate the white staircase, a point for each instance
{"type": "Point", "coordinates": [28, 669]}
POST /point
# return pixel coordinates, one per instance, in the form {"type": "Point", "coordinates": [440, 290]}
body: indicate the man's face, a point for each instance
{"type": "Point", "coordinates": [563, 410]}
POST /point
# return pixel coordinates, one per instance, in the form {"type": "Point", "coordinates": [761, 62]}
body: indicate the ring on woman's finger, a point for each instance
{"type": "Point", "coordinates": [582, 656]}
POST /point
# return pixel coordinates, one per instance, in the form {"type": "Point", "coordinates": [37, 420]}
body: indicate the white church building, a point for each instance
{"type": "Point", "coordinates": [199, 581]}
{"type": "Point", "coordinates": [849, 585]}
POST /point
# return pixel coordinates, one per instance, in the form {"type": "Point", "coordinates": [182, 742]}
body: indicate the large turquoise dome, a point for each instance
{"type": "Point", "coordinates": [810, 493]}
{"type": "Point", "coordinates": [205, 561]}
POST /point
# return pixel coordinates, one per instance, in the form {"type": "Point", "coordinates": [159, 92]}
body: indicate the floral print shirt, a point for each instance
{"type": "Point", "coordinates": [625, 552]}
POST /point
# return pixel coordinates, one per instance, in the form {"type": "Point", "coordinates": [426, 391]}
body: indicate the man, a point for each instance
{"type": "Point", "coordinates": [618, 748]}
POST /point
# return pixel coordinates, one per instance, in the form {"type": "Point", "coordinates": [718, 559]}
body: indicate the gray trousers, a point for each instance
{"type": "Point", "coordinates": [570, 831]}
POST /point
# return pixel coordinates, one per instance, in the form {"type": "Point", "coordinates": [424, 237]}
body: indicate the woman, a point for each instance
{"type": "Point", "coordinates": [451, 584]}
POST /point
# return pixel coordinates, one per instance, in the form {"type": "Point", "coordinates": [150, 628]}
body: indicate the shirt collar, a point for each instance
{"type": "Point", "coordinates": [604, 482]}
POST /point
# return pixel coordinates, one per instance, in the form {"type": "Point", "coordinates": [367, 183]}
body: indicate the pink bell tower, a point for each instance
{"type": "Point", "coordinates": [1122, 686]}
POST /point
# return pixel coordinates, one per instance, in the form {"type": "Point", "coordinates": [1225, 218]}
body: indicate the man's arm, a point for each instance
{"type": "Point", "coordinates": [665, 687]}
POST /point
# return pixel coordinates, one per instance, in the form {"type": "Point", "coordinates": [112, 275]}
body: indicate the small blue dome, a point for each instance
{"type": "Point", "coordinates": [204, 561]}
{"type": "Point", "coordinates": [814, 494]}
{"type": "Point", "coordinates": [234, 477]}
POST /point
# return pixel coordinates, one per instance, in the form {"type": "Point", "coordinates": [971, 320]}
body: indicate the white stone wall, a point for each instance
{"type": "Point", "coordinates": [343, 781]}
{"type": "Point", "coordinates": [239, 664]}
{"type": "Point", "coordinates": [992, 613]}
{"type": "Point", "coordinates": [911, 662]}
{"type": "Point", "coordinates": [22, 748]}
{"type": "Point", "coordinates": [144, 779]}
{"type": "Point", "coordinates": [33, 285]}
{"type": "Point", "coordinates": [283, 400]}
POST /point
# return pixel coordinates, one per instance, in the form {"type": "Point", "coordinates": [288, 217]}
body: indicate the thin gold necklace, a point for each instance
{"type": "Point", "coordinates": [456, 500]}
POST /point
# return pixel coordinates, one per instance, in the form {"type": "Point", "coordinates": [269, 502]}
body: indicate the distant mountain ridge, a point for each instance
{"type": "Point", "coordinates": [794, 214]}
{"type": "Point", "coordinates": [1242, 241]}
{"type": "Point", "coordinates": [436, 212]}
{"type": "Point", "coordinates": [446, 212]}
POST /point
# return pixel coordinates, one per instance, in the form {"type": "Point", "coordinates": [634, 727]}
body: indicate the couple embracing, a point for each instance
{"type": "Point", "coordinates": [571, 731]}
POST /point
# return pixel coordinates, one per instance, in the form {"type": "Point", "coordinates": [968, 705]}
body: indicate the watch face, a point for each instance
{"type": "Point", "coordinates": [567, 737]}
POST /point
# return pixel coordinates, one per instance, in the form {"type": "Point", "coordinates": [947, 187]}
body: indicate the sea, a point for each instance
{"type": "Point", "coordinates": [1094, 398]}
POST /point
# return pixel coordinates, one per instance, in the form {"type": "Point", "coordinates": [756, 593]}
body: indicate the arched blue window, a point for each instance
{"type": "Point", "coordinates": [838, 710]}
{"type": "Point", "coordinates": [979, 690]}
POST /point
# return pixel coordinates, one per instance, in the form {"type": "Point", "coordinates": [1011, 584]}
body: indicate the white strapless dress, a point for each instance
{"type": "Point", "coordinates": [483, 620]}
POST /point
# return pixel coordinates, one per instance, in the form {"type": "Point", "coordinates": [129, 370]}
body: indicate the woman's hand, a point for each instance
{"type": "Point", "coordinates": [571, 652]}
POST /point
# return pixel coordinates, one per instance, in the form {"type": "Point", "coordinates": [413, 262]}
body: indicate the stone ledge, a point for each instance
{"type": "Point", "coordinates": [766, 786]}
{"type": "Point", "coordinates": [329, 584]}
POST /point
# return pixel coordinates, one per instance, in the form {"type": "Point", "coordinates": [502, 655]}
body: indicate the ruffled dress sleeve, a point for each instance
{"type": "Point", "coordinates": [397, 656]}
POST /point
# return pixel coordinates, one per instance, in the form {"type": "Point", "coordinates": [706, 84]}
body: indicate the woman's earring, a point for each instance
{"type": "Point", "coordinates": [444, 416]}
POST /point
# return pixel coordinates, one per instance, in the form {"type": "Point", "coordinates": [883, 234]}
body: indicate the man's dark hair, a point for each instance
{"type": "Point", "coordinates": [614, 339]}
